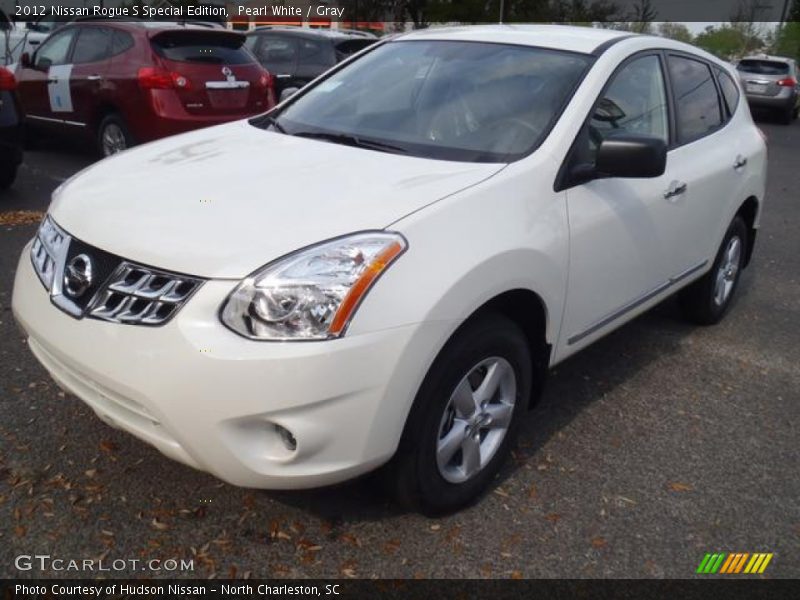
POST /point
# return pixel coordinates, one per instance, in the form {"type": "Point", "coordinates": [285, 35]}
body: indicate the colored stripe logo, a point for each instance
{"type": "Point", "coordinates": [734, 563]}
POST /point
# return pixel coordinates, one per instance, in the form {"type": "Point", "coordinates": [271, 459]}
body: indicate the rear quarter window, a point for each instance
{"type": "Point", "coordinates": [730, 91]}
{"type": "Point", "coordinates": [202, 47]}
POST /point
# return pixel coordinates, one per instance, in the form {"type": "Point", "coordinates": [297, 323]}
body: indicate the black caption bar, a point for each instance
{"type": "Point", "coordinates": [461, 589]}
{"type": "Point", "coordinates": [419, 12]}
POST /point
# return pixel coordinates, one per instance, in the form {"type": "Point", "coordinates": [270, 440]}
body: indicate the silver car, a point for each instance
{"type": "Point", "coordinates": [771, 82]}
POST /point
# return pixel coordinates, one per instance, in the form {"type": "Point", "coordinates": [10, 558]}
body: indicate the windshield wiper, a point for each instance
{"type": "Point", "coordinates": [351, 140]}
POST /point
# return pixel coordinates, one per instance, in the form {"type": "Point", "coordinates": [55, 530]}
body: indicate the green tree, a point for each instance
{"type": "Point", "coordinates": [787, 39]}
{"type": "Point", "coordinates": [723, 41]}
{"type": "Point", "coordinates": [675, 31]}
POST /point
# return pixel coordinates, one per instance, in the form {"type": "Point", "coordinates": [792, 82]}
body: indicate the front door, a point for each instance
{"type": "Point", "coordinates": [44, 86]}
{"type": "Point", "coordinates": [620, 229]}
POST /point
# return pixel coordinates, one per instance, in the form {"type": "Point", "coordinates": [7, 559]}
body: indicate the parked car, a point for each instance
{"type": "Point", "coordinates": [380, 270]}
{"type": "Point", "coordinates": [10, 129]}
{"type": "Point", "coordinates": [119, 83]}
{"type": "Point", "coordinates": [17, 38]}
{"type": "Point", "coordinates": [771, 82]}
{"type": "Point", "coordinates": [296, 55]}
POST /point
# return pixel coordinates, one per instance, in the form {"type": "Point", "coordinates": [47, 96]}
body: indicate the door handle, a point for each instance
{"type": "Point", "coordinates": [49, 81]}
{"type": "Point", "coordinates": [676, 189]}
{"type": "Point", "coordinates": [741, 161]}
{"type": "Point", "coordinates": [94, 77]}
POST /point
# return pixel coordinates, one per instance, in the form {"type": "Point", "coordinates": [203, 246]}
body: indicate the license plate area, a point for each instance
{"type": "Point", "coordinates": [227, 85]}
{"type": "Point", "coordinates": [756, 88]}
{"type": "Point", "coordinates": [228, 98]}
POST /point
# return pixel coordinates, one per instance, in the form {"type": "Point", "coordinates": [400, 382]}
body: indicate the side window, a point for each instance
{"type": "Point", "coordinates": [121, 42]}
{"type": "Point", "coordinates": [635, 102]}
{"type": "Point", "coordinates": [315, 54]}
{"type": "Point", "coordinates": [55, 50]}
{"type": "Point", "coordinates": [278, 54]}
{"type": "Point", "coordinates": [93, 45]}
{"type": "Point", "coordinates": [696, 99]}
{"type": "Point", "coordinates": [730, 91]}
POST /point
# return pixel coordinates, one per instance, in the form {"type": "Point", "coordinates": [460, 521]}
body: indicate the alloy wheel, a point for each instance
{"type": "Point", "coordinates": [113, 139]}
{"type": "Point", "coordinates": [728, 271]}
{"type": "Point", "coordinates": [476, 419]}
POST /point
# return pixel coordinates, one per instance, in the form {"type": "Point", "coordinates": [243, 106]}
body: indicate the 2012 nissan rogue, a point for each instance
{"type": "Point", "coordinates": [382, 268]}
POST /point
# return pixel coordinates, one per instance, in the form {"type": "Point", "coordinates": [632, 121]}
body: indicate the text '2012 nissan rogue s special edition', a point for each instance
{"type": "Point", "coordinates": [380, 270]}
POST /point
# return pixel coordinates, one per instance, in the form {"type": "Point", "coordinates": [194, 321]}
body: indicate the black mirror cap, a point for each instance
{"type": "Point", "coordinates": [631, 155]}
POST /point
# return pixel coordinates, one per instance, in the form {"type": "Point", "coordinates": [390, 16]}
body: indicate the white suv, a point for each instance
{"type": "Point", "coordinates": [382, 268]}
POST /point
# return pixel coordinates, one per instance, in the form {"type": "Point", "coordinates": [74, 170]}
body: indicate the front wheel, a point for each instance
{"type": "Point", "coordinates": [707, 300]}
{"type": "Point", "coordinates": [465, 417]}
{"type": "Point", "coordinates": [113, 135]}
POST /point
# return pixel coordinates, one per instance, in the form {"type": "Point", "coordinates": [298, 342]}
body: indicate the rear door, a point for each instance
{"type": "Point", "coordinates": [214, 74]}
{"type": "Point", "coordinates": [90, 58]}
{"type": "Point", "coordinates": [708, 160]}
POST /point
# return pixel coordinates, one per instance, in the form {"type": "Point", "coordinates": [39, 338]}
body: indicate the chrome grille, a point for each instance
{"type": "Point", "coordinates": [139, 295]}
{"type": "Point", "coordinates": [114, 289]}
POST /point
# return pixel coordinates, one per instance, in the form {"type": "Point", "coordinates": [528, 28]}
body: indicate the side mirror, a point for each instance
{"type": "Point", "coordinates": [25, 60]}
{"type": "Point", "coordinates": [288, 93]}
{"type": "Point", "coordinates": [631, 155]}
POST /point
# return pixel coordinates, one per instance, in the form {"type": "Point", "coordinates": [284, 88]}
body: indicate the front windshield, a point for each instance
{"type": "Point", "coordinates": [464, 101]}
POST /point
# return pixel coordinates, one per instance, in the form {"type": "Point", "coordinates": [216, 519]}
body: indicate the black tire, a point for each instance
{"type": "Point", "coordinates": [120, 139]}
{"type": "Point", "coordinates": [700, 301]}
{"type": "Point", "coordinates": [413, 475]}
{"type": "Point", "coordinates": [8, 173]}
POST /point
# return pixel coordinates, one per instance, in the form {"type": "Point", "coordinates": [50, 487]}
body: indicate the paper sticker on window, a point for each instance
{"type": "Point", "coordinates": [58, 88]}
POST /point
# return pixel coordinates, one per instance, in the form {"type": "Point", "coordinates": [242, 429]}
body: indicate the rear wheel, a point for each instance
{"type": "Point", "coordinates": [707, 300]}
{"type": "Point", "coordinates": [465, 417]}
{"type": "Point", "coordinates": [113, 135]}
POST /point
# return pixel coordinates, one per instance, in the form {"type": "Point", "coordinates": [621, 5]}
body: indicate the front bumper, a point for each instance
{"type": "Point", "coordinates": [208, 398]}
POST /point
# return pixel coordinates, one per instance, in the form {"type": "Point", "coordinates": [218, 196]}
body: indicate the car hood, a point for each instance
{"type": "Point", "coordinates": [223, 201]}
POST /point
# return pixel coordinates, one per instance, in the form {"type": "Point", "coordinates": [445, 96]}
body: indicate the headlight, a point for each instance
{"type": "Point", "coordinates": [311, 294]}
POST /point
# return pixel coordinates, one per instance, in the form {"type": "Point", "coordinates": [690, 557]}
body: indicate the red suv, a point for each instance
{"type": "Point", "coordinates": [122, 83]}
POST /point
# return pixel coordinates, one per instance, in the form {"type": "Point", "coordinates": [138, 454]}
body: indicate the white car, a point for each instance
{"type": "Point", "coordinates": [382, 268]}
{"type": "Point", "coordinates": [17, 38]}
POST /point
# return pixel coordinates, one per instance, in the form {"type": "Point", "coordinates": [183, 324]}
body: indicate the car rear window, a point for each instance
{"type": "Point", "coordinates": [763, 67]}
{"type": "Point", "coordinates": [202, 47]}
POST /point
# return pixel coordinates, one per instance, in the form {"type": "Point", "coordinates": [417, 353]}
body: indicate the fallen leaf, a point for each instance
{"type": "Point", "coordinates": [516, 574]}
{"type": "Point", "coordinates": [677, 486]}
{"type": "Point", "coordinates": [108, 446]}
{"type": "Point", "coordinates": [599, 542]}
{"type": "Point", "coordinates": [158, 524]}
{"type": "Point", "coordinates": [553, 517]}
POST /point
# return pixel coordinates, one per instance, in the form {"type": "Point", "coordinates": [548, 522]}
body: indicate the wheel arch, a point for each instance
{"type": "Point", "coordinates": [749, 211]}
